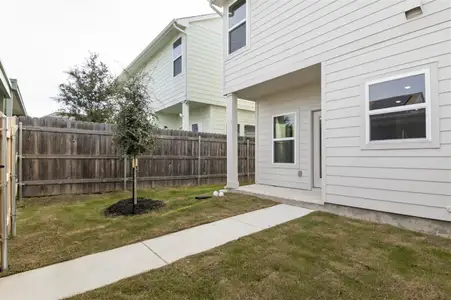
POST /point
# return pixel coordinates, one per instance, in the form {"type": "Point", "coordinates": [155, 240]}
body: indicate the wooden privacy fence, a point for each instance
{"type": "Point", "coordinates": [63, 156]}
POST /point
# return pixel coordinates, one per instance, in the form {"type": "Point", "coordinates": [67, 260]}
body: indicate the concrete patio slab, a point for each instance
{"type": "Point", "coordinates": [282, 193]}
{"type": "Point", "coordinates": [80, 275]}
{"type": "Point", "coordinates": [94, 271]}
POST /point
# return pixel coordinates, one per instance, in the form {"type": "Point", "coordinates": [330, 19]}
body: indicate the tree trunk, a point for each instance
{"type": "Point", "coordinates": [135, 198]}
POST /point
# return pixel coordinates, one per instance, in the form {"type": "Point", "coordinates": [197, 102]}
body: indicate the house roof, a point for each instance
{"type": "Point", "coordinates": [5, 84]}
{"type": "Point", "coordinates": [18, 105]}
{"type": "Point", "coordinates": [162, 39]}
{"type": "Point", "coordinates": [219, 3]}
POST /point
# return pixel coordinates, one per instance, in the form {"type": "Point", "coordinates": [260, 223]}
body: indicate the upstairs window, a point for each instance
{"type": "Point", "coordinates": [398, 108]}
{"type": "Point", "coordinates": [237, 34]}
{"type": "Point", "coordinates": [177, 56]}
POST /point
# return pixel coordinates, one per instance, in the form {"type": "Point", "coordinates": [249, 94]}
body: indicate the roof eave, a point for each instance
{"type": "Point", "coordinates": [136, 63]}
{"type": "Point", "coordinates": [15, 87]}
{"type": "Point", "coordinates": [5, 84]}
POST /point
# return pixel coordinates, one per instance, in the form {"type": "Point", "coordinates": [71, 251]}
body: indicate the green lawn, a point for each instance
{"type": "Point", "coordinates": [51, 230]}
{"type": "Point", "coordinates": [320, 256]}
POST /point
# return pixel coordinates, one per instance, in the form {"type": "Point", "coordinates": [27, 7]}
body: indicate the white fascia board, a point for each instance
{"type": "Point", "coordinates": [5, 84]}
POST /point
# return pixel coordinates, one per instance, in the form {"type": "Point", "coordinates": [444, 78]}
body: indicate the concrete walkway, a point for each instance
{"type": "Point", "coordinates": [94, 271]}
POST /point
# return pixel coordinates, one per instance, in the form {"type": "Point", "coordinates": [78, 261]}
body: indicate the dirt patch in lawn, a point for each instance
{"type": "Point", "coordinates": [126, 208]}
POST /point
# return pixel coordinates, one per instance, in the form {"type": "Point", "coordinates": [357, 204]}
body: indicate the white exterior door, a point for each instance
{"type": "Point", "coordinates": [317, 150]}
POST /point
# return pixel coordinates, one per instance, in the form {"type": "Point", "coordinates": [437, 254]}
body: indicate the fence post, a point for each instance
{"type": "Point", "coordinates": [125, 173]}
{"type": "Point", "coordinates": [199, 162]}
{"type": "Point", "coordinates": [13, 179]}
{"type": "Point", "coordinates": [248, 162]}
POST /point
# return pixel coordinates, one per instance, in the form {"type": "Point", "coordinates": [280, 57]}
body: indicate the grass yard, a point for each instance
{"type": "Point", "coordinates": [320, 256]}
{"type": "Point", "coordinates": [52, 230]}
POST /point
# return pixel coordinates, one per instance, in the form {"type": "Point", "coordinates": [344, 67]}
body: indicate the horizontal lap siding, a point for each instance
{"type": "Point", "coordinates": [300, 101]}
{"type": "Point", "coordinates": [171, 121]}
{"type": "Point", "coordinates": [205, 67]}
{"type": "Point", "coordinates": [288, 35]}
{"type": "Point", "coordinates": [205, 77]}
{"type": "Point", "coordinates": [218, 116]}
{"type": "Point", "coordinates": [413, 182]}
{"type": "Point", "coordinates": [201, 115]}
{"type": "Point", "coordinates": [166, 89]}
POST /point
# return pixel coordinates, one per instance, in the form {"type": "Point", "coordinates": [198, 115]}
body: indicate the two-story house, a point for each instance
{"type": "Point", "coordinates": [11, 102]}
{"type": "Point", "coordinates": [353, 100]}
{"type": "Point", "coordinates": [185, 64]}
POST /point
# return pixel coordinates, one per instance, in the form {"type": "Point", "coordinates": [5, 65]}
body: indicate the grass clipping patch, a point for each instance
{"type": "Point", "coordinates": [125, 207]}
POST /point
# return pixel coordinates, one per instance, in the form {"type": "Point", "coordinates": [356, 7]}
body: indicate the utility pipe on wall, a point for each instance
{"type": "Point", "coordinates": [185, 67]}
{"type": "Point", "coordinates": [4, 225]}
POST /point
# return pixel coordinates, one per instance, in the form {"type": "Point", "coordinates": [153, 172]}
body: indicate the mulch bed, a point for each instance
{"type": "Point", "coordinates": [125, 207]}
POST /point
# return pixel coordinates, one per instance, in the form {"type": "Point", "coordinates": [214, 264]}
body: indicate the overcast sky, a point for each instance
{"type": "Point", "coordinates": [41, 39]}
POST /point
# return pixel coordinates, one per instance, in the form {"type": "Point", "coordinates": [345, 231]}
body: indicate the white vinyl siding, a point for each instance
{"type": "Point", "coordinates": [356, 42]}
{"type": "Point", "coordinates": [218, 118]}
{"type": "Point", "coordinates": [301, 101]}
{"type": "Point", "coordinates": [405, 181]}
{"type": "Point", "coordinates": [167, 90]}
{"type": "Point", "coordinates": [201, 116]}
{"type": "Point", "coordinates": [205, 64]}
{"type": "Point", "coordinates": [288, 35]}
{"type": "Point", "coordinates": [171, 121]}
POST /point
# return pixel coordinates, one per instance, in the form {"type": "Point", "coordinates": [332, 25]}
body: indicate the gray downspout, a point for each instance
{"type": "Point", "coordinates": [214, 8]}
{"type": "Point", "coordinates": [185, 51]}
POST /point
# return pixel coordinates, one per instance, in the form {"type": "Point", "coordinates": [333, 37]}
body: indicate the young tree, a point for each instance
{"type": "Point", "coordinates": [134, 121]}
{"type": "Point", "coordinates": [88, 93]}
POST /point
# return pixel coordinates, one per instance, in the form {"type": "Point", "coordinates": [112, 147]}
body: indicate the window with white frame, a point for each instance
{"type": "Point", "coordinates": [177, 57]}
{"type": "Point", "coordinates": [398, 108]}
{"type": "Point", "coordinates": [284, 138]}
{"type": "Point", "coordinates": [237, 30]}
{"type": "Point", "coordinates": [196, 127]}
{"type": "Point", "coordinates": [249, 130]}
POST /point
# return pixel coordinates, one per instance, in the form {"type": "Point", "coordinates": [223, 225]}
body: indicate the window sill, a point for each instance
{"type": "Point", "coordinates": [401, 145]}
{"type": "Point", "coordinates": [236, 53]}
{"type": "Point", "coordinates": [284, 166]}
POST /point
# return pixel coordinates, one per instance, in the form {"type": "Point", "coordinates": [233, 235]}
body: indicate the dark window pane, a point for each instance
{"type": "Point", "coordinates": [398, 92]}
{"type": "Point", "coordinates": [284, 152]}
{"type": "Point", "coordinates": [397, 101]}
{"type": "Point", "coordinates": [177, 66]}
{"type": "Point", "coordinates": [195, 128]}
{"type": "Point", "coordinates": [238, 129]}
{"type": "Point", "coordinates": [284, 126]}
{"type": "Point", "coordinates": [237, 12]}
{"type": "Point", "coordinates": [249, 130]}
{"type": "Point", "coordinates": [177, 48]}
{"type": "Point", "coordinates": [409, 124]}
{"type": "Point", "coordinates": [237, 38]}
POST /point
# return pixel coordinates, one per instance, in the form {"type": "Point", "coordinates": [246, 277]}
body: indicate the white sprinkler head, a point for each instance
{"type": "Point", "coordinates": [215, 193]}
{"type": "Point", "coordinates": [221, 194]}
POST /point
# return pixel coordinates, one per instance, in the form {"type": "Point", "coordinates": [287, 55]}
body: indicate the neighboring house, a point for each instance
{"type": "Point", "coordinates": [185, 63]}
{"type": "Point", "coordinates": [352, 97]}
{"type": "Point", "coordinates": [58, 115]}
{"type": "Point", "coordinates": [11, 102]}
